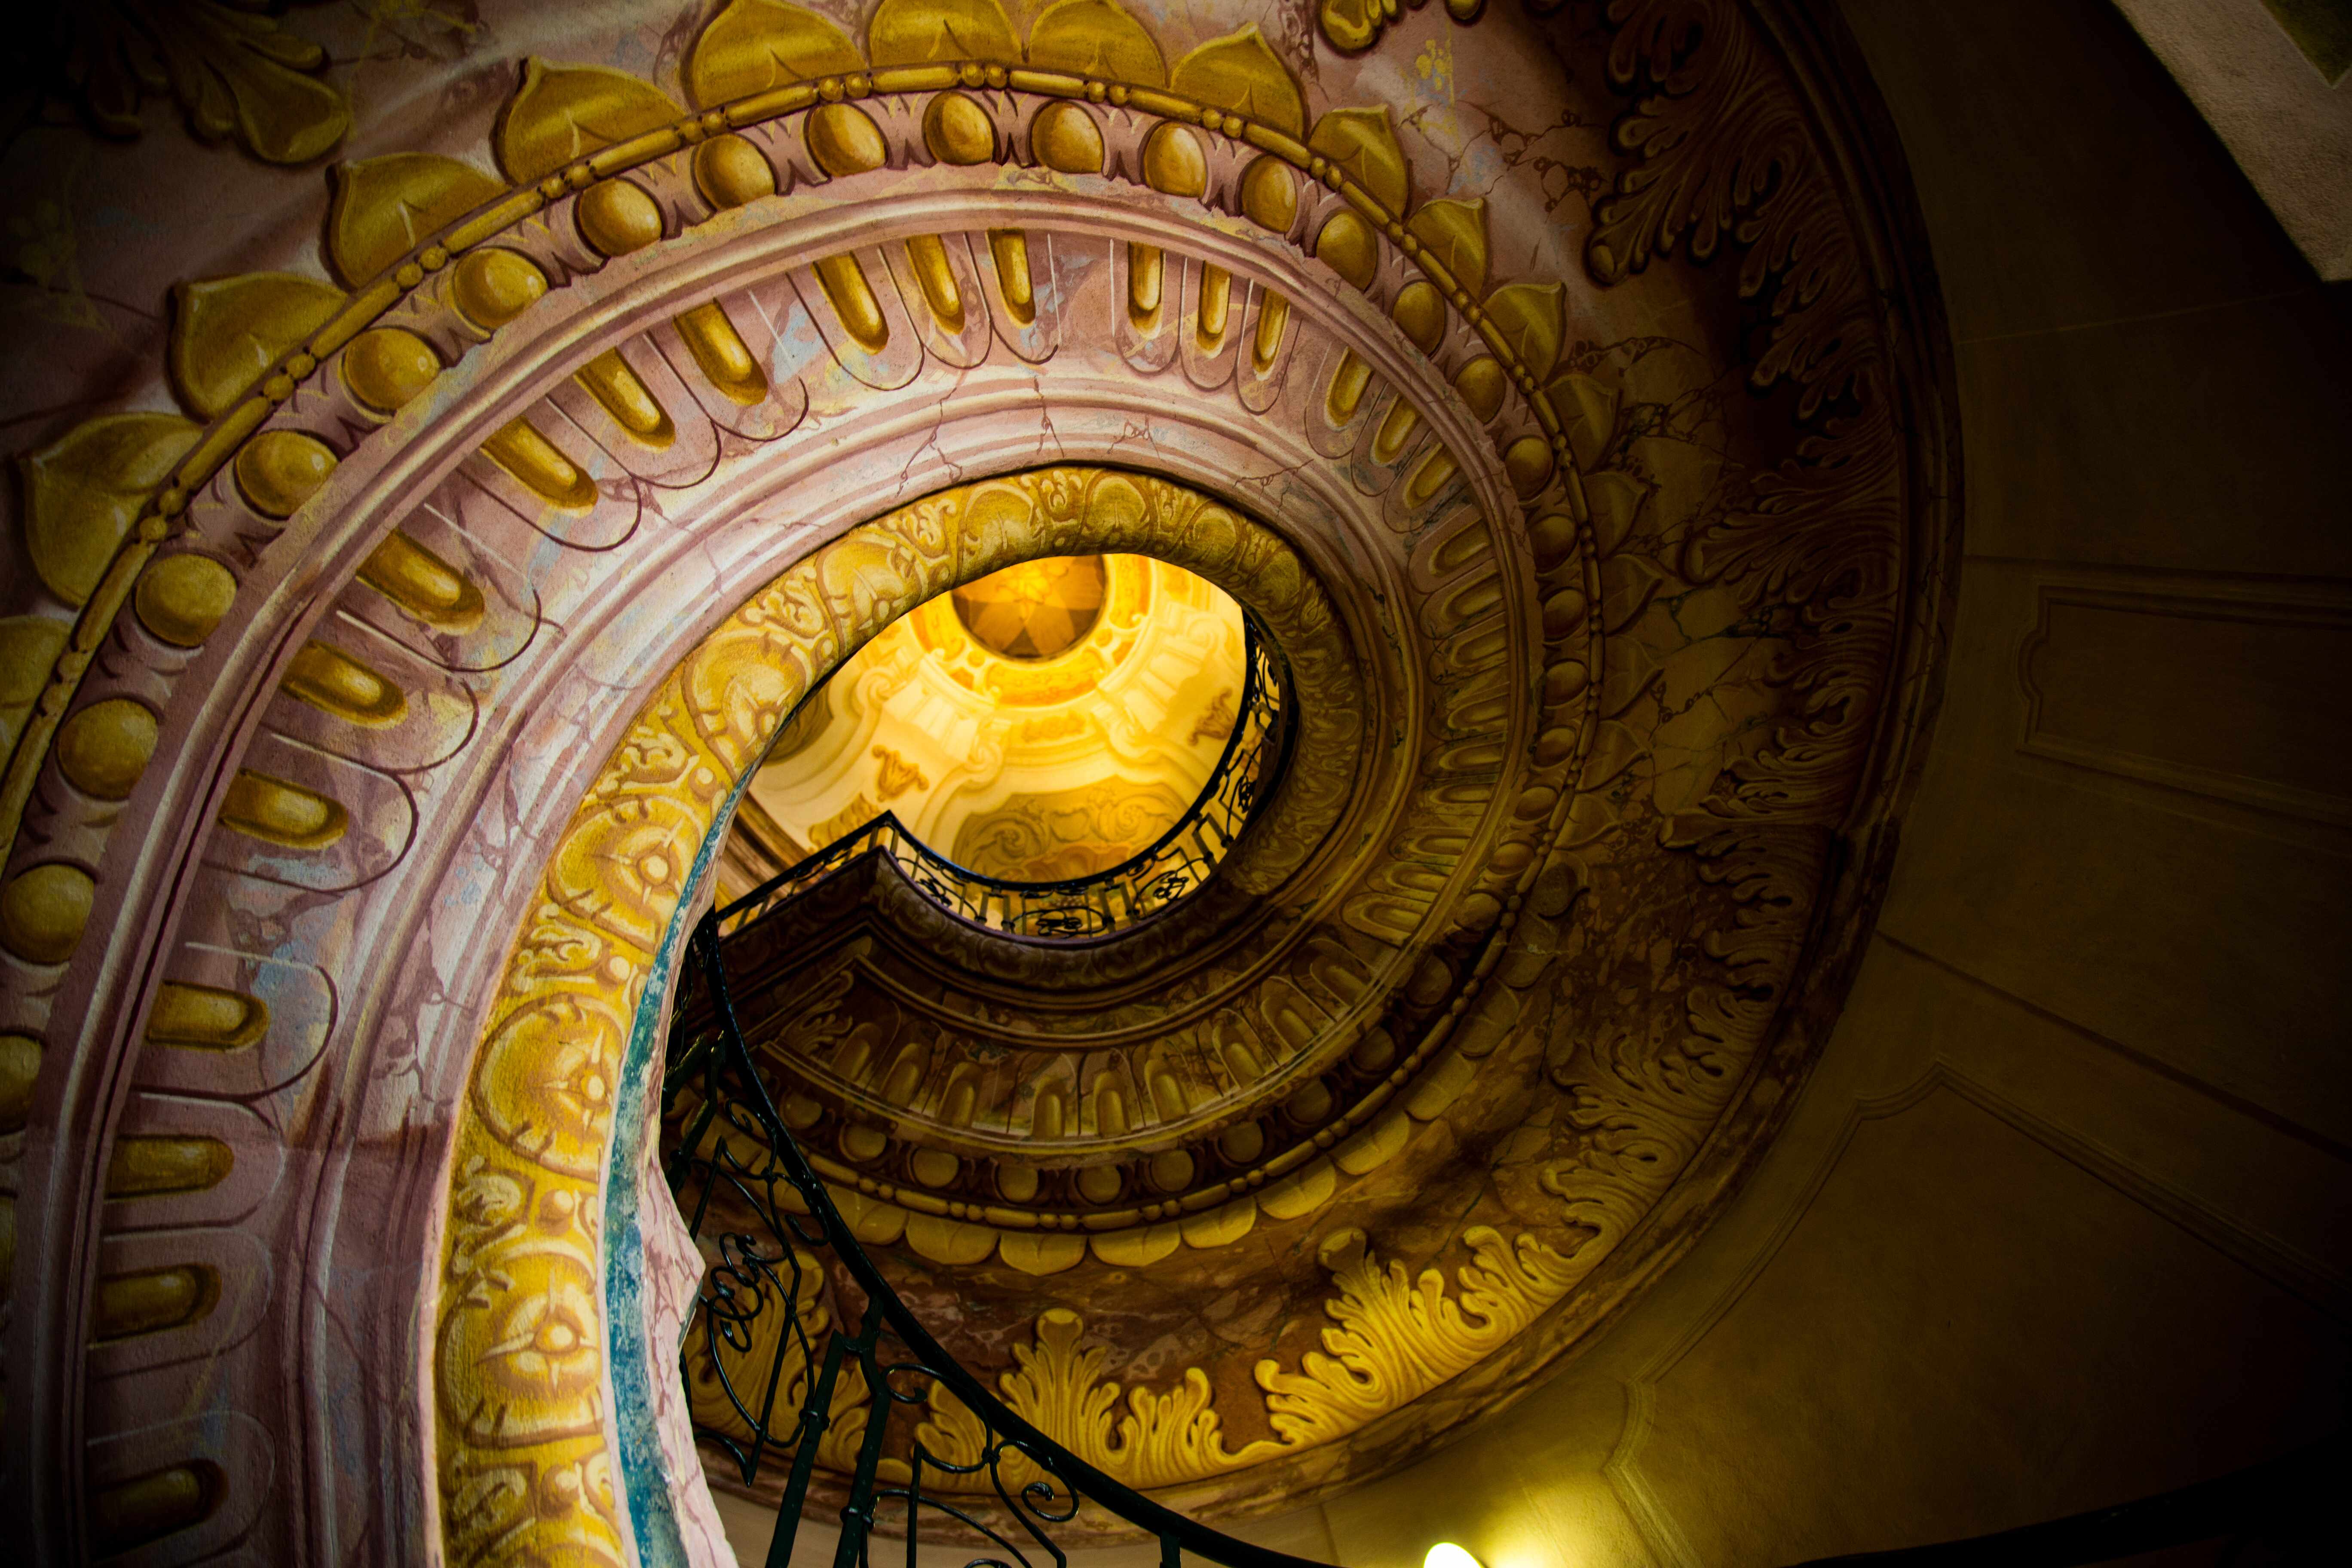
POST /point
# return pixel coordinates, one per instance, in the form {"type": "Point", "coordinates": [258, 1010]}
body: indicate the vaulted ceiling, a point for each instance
{"type": "Point", "coordinates": [396, 628]}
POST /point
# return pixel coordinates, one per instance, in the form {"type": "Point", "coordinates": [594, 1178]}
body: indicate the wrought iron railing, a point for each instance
{"type": "Point", "coordinates": [792, 1313]}
{"type": "Point", "coordinates": [793, 1320]}
{"type": "Point", "coordinates": [803, 1355]}
{"type": "Point", "coordinates": [799, 1354]}
{"type": "Point", "coordinates": [1178, 862]}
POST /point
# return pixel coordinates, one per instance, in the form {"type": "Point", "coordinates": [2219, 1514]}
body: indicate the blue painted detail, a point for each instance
{"type": "Point", "coordinates": [645, 1486]}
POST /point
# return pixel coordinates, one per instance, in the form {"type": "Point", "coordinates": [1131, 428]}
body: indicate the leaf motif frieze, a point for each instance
{"type": "Point", "coordinates": [236, 74]}
{"type": "Point", "coordinates": [1654, 674]}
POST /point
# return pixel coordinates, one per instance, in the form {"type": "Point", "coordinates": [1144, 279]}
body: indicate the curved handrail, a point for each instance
{"type": "Point", "coordinates": [1179, 861]}
{"type": "Point", "coordinates": [733, 1096]}
{"type": "Point", "coordinates": [754, 1274]}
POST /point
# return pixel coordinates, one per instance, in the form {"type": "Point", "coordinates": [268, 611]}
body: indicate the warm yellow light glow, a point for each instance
{"type": "Point", "coordinates": [1036, 610]}
{"type": "Point", "coordinates": [1445, 1554]}
{"type": "Point", "coordinates": [1046, 722]}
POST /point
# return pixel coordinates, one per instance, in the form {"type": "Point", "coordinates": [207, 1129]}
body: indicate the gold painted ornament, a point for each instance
{"type": "Point", "coordinates": [1036, 610]}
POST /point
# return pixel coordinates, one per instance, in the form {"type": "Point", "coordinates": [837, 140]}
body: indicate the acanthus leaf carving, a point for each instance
{"type": "Point", "coordinates": [233, 73]}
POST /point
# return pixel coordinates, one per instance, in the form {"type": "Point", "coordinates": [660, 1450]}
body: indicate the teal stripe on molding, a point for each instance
{"type": "Point", "coordinates": [645, 1486]}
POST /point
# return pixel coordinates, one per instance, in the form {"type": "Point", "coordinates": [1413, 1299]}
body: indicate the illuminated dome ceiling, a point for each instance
{"type": "Point", "coordinates": [1048, 721]}
{"type": "Point", "coordinates": [1034, 610]}
{"type": "Point", "coordinates": [1591, 487]}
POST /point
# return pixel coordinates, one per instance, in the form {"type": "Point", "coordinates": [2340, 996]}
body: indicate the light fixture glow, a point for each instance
{"type": "Point", "coordinates": [1445, 1554]}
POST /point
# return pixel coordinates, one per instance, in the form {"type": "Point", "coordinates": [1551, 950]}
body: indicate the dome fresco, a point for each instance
{"type": "Point", "coordinates": [1027, 765]}
{"type": "Point", "coordinates": [1037, 610]}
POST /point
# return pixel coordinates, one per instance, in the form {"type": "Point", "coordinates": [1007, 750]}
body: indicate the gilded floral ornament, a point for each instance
{"type": "Point", "coordinates": [756, 45]}
{"type": "Point", "coordinates": [234, 71]}
{"type": "Point", "coordinates": [1392, 1338]}
{"type": "Point", "coordinates": [385, 207]}
{"type": "Point", "coordinates": [1353, 26]}
{"type": "Point", "coordinates": [1095, 37]}
{"type": "Point", "coordinates": [1241, 72]}
{"type": "Point", "coordinates": [1145, 1439]}
{"type": "Point", "coordinates": [1453, 232]}
{"type": "Point", "coordinates": [561, 113]}
{"type": "Point", "coordinates": [917, 32]}
{"type": "Point", "coordinates": [84, 492]}
{"type": "Point", "coordinates": [227, 332]}
{"type": "Point", "coordinates": [30, 646]}
{"type": "Point", "coordinates": [1362, 141]}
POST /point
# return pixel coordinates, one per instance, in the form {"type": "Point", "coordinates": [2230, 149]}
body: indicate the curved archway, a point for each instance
{"type": "Point", "coordinates": [570, 1048]}
{"type": "Point", "coordinates": [404, 587]}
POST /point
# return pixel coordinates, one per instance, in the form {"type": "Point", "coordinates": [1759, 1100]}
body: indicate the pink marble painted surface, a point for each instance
{"type": "Point", "coordinates": [384, 960]}
{"type": "Point", "coordinates": [597, 642]}
{"type": "Point", "coordinates": [673, 1268]}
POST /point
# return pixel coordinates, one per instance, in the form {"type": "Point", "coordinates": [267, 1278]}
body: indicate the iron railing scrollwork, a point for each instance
{"type": "Point", "coordinates": [1176, 863]}
{"type": "Point", "coordinates": [792, 1310]}
{"type": "Point", "coordinates": [799, 1352]}
{"type": "Point", "coordinates": [735, 1164]}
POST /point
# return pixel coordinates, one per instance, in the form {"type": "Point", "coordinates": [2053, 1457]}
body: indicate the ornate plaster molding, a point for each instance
{"type": "Point", "coordinates": [1540, 547]}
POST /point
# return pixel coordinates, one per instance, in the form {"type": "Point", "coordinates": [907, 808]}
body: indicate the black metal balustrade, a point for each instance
{"type": "Point", "coordinates": [798, 1348]}
{"type": "Point", "coordinates": [799, 1352]}
{"type": "Point", "coordinates": [793, 1319]}
{"type": "Point", "coordinates": [1178, 862]}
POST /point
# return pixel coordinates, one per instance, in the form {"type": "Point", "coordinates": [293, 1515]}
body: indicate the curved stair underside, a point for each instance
{"type": "Point", "coordinates": [1595, 483]}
